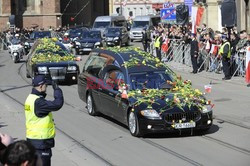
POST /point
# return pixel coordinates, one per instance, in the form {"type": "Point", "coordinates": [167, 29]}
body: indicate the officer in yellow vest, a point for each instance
{"type": "Point", "coordinates": [225, 53]}
{"type": "Point", "coordinates": [157, 44]}
{"type": "Point", "coordinates": [40, 127]}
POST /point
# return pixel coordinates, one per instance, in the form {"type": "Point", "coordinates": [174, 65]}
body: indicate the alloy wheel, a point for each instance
{"type": "Point", "coordinates": [132, 122]}
{"type": "Point", "coordinates": [89, 105]}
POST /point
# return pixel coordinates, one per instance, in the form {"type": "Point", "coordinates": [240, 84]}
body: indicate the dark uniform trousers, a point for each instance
{"type": "Point", "coordinates": [194, 63]}
{"type": "Point", "coordinates": [226, 67]}
{"type": "Point", "coordinates": [45, 155]}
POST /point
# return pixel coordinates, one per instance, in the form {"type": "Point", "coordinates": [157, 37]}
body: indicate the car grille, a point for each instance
{"type": "Point", "coordinates": [184, 116]}
{"type": "Point", "coordinates": [57, 73]}
{"type": "Point", "coordinates": [90, 45]}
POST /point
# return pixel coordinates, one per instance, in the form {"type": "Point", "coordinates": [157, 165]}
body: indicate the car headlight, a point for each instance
{"type": "Point", "coordinates": [78, 43]}
{"type": "Point", "coordinates": [206, 109]}
{"type": "Point", "coordinates": [15, 53]}
{"type": "Point", "coordinates": [131, 33]}
{"type": "Point", "coordinates": [151, 113]}
{"type": "Point", "coordinates": [71, 67]}
{"type": "Point", "coordinates": [42, 69]}
{"type": "Point", "coordinates": [116, 38]}
{"type": "Point", "coordinates": [26, 43]}
{"type": "Point", "coordinates": [97, 43]}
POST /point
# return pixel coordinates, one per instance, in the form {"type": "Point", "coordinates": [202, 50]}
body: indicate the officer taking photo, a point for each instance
{"type": "Point", "coordinates": [40, 127]}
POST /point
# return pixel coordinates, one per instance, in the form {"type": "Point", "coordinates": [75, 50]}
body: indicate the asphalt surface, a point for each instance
{"type": "Point", "coordinates": [93, 141]}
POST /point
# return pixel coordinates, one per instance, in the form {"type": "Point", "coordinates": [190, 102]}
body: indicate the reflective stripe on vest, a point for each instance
{"type": "Point", "coordinates": [37, 128]}
{"type": "Point", "coordinates": [222, 49]}
{"type": "Point", "coordinates": [157, 42]}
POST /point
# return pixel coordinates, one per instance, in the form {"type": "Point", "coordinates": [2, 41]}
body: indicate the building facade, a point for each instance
{"type": "Point", "coordinates": [51, 13]}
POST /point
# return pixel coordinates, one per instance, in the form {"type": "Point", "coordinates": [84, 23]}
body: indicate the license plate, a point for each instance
{"type": "Point", "coordinates": [184, 125]}
{"type": "Point", "coordinates": [58, 77]}
{"type": "Point", "coordinates": [87, 49]}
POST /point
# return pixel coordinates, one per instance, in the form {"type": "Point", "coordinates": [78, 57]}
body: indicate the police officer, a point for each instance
{"type": "Point", "coordinates": [194, 53]}
{"type": "Point", "coordinates": [225, 53]}
{"type": "Point", "coordinates": [145, 40]}
{"type": "Point", "coordinates": [158, 43]}
{"type": "Point", "coordinates": [40, 127]}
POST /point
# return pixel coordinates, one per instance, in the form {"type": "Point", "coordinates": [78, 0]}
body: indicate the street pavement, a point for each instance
{"type": "Point", "coordinates": [93, 141]}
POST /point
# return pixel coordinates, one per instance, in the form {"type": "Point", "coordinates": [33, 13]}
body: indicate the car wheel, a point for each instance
{"type": "Point", "coordinates": [128, 42]}
{"type": "Point", "coordinates": [133, 124]}
{"type": "Point", "coordinates": [27, 75]}
{"type": "Point", "coordinates": [74, 51]}
{"type": "Point", "coordinates": [90, 106]}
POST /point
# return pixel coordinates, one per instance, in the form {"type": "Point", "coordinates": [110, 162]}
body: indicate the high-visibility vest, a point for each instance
{"type": "Point", "coordinates": [222, 49]}
{"type": "Point", "coordinates": [37, 128]}
{"type": "Point", "coordinates": [157, 42]}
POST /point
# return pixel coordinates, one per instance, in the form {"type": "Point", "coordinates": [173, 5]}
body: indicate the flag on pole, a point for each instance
{"type": "Point", "coordinates": [194, 15]}
{"type": "Point", "coordinates": [197, 14]}
{"type": "Point", "coordinates": [248, 65]}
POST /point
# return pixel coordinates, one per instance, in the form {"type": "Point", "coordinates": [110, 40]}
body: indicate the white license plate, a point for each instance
{"type": "Point", "coordinates": [184, 125]}
{"type": "Point", "coordinates": [87, 49]}
{"type": "Point", "coordinates": [58, 77]}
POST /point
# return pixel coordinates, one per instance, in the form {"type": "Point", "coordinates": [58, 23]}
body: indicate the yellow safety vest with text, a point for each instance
{"type": "Point", "coordinates": [222, 48]}
{"type": "Point", "coordinates": [157, 42]}
{"type": "Point", "coordinates": [37, 128]}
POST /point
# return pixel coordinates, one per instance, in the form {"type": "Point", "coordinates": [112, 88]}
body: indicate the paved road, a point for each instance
{"type": "Point", "coordinates": [85, 140]}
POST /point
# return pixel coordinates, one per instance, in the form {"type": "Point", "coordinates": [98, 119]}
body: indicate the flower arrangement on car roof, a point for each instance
{"type": "Point", "coordinates": [181, 92]}
{"type": "Point", "coordinates": [48, 51]}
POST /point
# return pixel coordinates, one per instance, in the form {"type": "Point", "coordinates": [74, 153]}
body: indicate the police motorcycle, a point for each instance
{"type": "Point", "coordinates": [16, 50]}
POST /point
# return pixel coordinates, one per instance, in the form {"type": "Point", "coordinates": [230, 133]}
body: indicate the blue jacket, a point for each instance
{"type": "Point", "coordinates": [42, 108]}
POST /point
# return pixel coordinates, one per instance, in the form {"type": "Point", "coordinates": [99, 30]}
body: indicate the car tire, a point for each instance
{"type": "Point", "coordinates": [90, 106]}
{"type": "Point", "coordinates": [133, 124]}
{"type": "Point", "coordinates": [74, 51]}
{"type": "Point", "coordinates": [128, 42]}
{"type": "Point", "coordinates": [27, 75]}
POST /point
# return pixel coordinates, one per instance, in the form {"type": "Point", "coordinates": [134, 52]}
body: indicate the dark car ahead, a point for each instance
{"type": "Point", "coordinates": [145, 96]}
{"type": "Point", "coordinates": [55, 63]}
{"type": "Point", "coordinates": [116, 36]}
{"type": "Point", "coordinates": [88, 40]}
{"type": "Point", "coordinates": [38, 35]}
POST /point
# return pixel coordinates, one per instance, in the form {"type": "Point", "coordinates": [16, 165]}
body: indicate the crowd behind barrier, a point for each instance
{"type": "Point", "coordinates": [175, 45]}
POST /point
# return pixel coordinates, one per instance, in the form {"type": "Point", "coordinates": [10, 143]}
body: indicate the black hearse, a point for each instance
{"type": "Point", "coordinates": [152, 103]}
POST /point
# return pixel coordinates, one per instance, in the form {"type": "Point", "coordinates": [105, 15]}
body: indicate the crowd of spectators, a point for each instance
{"type": "Point", "coordinates": [209, 42]}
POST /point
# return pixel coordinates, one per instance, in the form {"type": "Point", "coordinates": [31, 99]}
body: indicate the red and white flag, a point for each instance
{"type": "Point", "coordinates": [196, 17]}
{"type": "Point", "coordinates": [248, 65]}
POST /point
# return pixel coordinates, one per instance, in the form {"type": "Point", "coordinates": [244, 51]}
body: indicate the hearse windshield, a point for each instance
{"type": "Point", "coordinates": [149, 80]}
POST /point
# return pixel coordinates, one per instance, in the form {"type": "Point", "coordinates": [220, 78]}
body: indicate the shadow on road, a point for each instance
{"type": "Point", "coordinates": [184, 133]}
{"type": "Point", "coordinates": [2, 125]}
